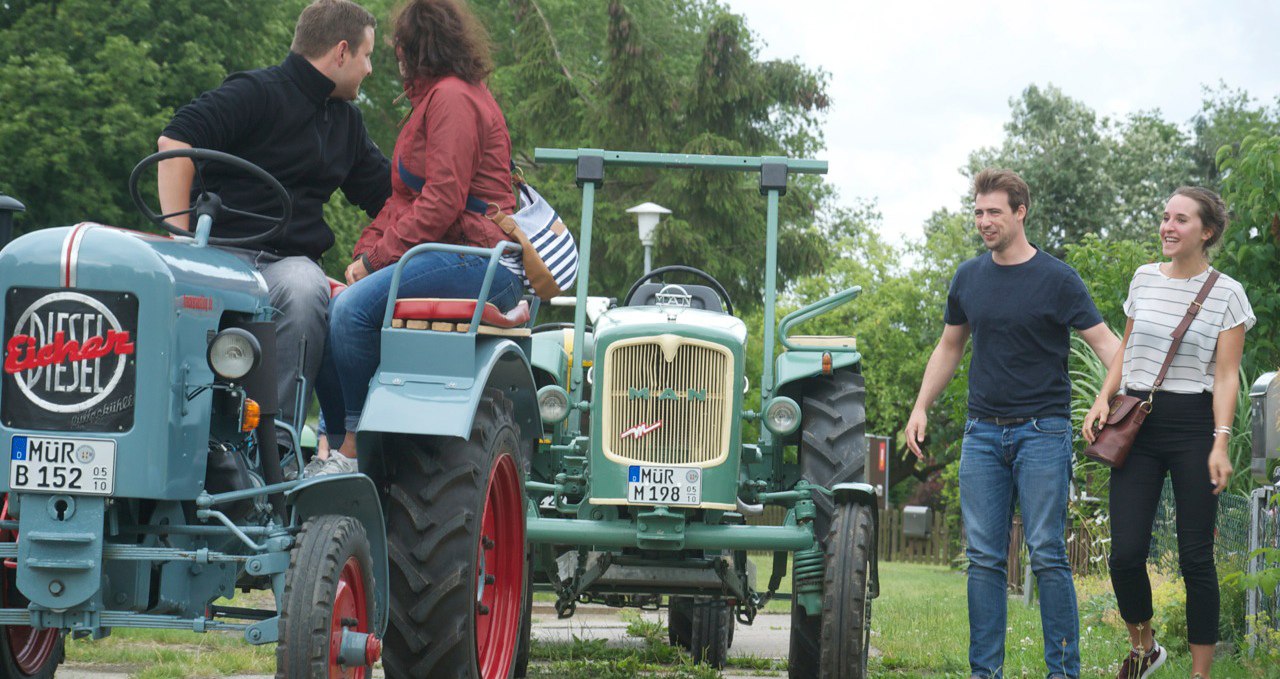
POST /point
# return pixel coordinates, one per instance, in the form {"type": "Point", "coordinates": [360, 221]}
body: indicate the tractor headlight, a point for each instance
{"type": "Point", "coordinates": [553, 404]}
{"type": "Point", "coordinates": [782, 416]}
{"type": "Point", "coordinates": [233, 353]}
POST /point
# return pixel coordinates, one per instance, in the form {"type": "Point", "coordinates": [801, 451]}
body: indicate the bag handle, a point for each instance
{"type": "Point", "coordinates": [1192, 309]}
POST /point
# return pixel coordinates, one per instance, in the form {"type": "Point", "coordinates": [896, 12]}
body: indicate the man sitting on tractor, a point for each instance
{"type": "Point", "coordinates": [296, 121]}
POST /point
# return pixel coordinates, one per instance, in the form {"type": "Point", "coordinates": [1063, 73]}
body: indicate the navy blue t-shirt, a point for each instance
{"type": "Point", "coordinates": [1020, 318]}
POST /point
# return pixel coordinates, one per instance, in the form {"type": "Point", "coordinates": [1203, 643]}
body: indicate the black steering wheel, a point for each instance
{"type": "Point", "coordinates": [680, 268]}
{"type": "Point", "coordinates": [208, 203]}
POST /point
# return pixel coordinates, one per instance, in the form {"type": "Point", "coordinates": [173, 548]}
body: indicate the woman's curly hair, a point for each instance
{"type": "Point", "coordinates": [434, 38]}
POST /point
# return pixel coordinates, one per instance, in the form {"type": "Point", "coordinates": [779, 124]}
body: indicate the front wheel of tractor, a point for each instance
{"type": "Point", "coordinates": [328, 590]}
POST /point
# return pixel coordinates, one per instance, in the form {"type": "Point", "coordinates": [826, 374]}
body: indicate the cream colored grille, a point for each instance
{"type": "Point", "coordinates": [683, 384]}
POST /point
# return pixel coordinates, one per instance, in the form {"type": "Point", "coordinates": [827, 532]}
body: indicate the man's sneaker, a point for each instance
{"type": "Point", "coordinates": [1139, 665]}
{"type": "Point", "coordinates": [315, 465]}
{"type": "Point", "coordinates": [338, 464]}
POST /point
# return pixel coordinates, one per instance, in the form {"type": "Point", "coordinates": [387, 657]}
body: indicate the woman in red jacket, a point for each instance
{"type": "Point", "coordinates": [452, 158]}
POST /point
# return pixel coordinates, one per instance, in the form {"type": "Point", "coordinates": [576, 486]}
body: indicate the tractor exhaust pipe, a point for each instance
{"type": "Point", "coordinates": [260, 385]}
{"type": "Point", "coordinates": [8, 206]}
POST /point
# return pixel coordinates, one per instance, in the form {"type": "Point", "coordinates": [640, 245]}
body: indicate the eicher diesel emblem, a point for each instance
{"type": "Point", "coordinates": [69, 360]}
{"type": "Point", "coordinates": [641, 429]}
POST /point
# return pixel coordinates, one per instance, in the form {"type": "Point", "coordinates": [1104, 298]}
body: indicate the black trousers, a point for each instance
{"type": "Point", "coordinates": [1175, 440]}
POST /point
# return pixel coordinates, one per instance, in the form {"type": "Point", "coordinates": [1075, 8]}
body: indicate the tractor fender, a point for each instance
{"type": "Point", "coordinates": [855, 493]}
{"type": "Point", "coordinates": [864, 494]}
{"type": "Point", "coordinates": [445, 405]}
{"type": "Point", "coordinates": [793, 366]}
{"type": "Point", "coordinates": [351, 495]}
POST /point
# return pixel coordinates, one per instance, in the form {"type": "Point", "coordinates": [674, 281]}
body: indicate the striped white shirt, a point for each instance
{"type": "Point", "coordinates": [1157, 303]}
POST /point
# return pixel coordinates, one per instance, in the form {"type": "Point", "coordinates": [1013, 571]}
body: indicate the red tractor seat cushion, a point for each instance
{"type": "Point", "coordinates": [335, 287]}
{"type": "Point", "coordinates": [436, 309]}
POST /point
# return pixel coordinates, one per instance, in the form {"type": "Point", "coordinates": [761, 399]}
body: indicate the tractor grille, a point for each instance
{"type": "Point", "coordinates": [667, 401]}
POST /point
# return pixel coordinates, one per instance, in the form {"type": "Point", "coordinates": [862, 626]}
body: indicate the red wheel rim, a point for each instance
{"type": "Point", "coordinates": [30, 648]}
{"type": "Point", "coordinates": [500, 571]}
{"type": "Point", "coordinates": [349, 603]}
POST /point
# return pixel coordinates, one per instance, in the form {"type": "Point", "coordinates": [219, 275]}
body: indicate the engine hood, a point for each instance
{"type": "Point", "coordinates": [631, 321]}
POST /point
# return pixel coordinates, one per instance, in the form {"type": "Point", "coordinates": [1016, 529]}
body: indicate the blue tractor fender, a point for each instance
{"type": "Point", "coordinates": [351, 495]}
{"type": "Point", "coordinates": [437, 393]}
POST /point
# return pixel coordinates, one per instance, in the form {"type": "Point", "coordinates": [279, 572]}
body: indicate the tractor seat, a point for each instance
{"type": "Point", "coordinates": [335, 286]}
{"type": "Point", "coordinates": [454, 315]}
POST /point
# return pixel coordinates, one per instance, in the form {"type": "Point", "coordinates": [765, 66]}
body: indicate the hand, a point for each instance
{"type": "Point", "coordinates": [1219, 469]}
{"type": "Point", "coordinates": [356, 270]}
{"type": "Point", "coordinates": [1096, 417]}
{"type": "Point", "coordinates": [916, 425]}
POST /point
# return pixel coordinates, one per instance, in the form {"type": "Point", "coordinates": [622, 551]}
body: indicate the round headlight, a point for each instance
{"type": "Point", "coordinates": [233, 353]}
{"type": "Point", "coordinates": [553, 404]}
{"type": "Point", "coordinates": [782, 416]}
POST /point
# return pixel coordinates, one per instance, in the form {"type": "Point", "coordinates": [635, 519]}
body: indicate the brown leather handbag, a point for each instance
{"type": "Point", "coordinates": [1127, 413]}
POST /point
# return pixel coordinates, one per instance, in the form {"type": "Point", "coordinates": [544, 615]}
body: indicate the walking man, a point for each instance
{"type": "Point", "coordinates": [296, 121]}
{"type": "Point", "coordinates": [1020, 305]}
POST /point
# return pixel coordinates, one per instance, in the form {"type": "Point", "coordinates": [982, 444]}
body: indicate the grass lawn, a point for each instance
{"type": "Point", "coordinates": [920, 628]}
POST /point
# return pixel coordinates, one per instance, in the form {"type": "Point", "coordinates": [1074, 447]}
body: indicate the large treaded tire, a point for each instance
{"type": "Point", "coordinates": [435, 521]}
{"type": "Point", "coordinates": [833, 442]}
{"type": "Point", "coordinates": [837, 644]}
{"type": "Point", "coordinates": [833, 449]}
{"type": "Point", "coordinates": [711, 622]}
{"type": "Point", "coordinates": [330, 571]}
{"type": "Point", "coordinates": [679, 622]}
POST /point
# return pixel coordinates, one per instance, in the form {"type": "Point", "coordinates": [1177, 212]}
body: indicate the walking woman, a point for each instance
{"type": "Point", "coordinates": [1186, 434]}
{"type": "Point", "coordinates": [453, 152]}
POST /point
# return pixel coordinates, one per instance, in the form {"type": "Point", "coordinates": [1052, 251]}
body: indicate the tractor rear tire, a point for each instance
{"type": "Point", "coordinates": [455, 528]}
{"type": "Point", "coordinates": [328, 586]}
{"type": "Point", "coordinates": [837, 643]}
{"type": "Point", "coordinates": [833, 443]}
{"type": "Point", "coordinates": [711, 623]}
{"type": "Point", "coordinates": [679, 622]}
{"type": "Point", "coordinates": [526, 622]}
{"type": "Point", "coordinates": [25, 653]}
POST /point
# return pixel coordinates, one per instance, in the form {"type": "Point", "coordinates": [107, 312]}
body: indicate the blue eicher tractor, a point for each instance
{"type": "Point", "coordinates": [144, 483]}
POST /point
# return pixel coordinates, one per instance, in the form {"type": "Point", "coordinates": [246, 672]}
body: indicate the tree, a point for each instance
{"type": "Point", "coordinates": [86, 89]}
{"type": "Point", "coordinates": [1088, 174]}
{"type": "Point", "coordinates": [1251, 245]}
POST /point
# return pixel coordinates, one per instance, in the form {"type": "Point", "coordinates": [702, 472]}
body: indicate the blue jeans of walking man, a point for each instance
{"type": "Point", "coordinates": [1029, 464]}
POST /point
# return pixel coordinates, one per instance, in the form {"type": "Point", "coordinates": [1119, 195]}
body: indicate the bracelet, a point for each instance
{"type": "Point", "coordinates": [1222, 430]}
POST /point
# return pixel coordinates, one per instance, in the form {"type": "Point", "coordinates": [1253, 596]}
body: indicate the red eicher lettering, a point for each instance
{"type": "Point", "coordinates": [60, 350]}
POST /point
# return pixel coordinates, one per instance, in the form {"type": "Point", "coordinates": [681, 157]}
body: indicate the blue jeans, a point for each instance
{"type": "Point", "coordinates": [1029, 463]}
{"type": "Point", "coordinates": [355, 323]}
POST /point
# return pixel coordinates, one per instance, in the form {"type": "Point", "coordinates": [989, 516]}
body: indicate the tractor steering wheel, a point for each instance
{"type": "Point", "coordinates": [208, 203]}
{"type": "Point", "coordinates": [679, 268]}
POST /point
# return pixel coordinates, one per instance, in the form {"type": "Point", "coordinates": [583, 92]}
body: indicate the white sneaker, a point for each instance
{"type": "Point", "coordinates": [338, 464]}
{"type": "Point", "coordinates": [315, 465]}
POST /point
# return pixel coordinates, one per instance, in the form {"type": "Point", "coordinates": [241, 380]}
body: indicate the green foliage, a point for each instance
{"type": "Point", "coordinates": [1107, 266]}
{"type": "Point", "coordinates": [1088, 174]}
{"type": "Point", "coordinates": [1251, 246]}
{"type": "Point", "coordinates": [86, 88]}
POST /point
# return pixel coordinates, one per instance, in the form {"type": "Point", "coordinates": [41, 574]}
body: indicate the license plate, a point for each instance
{"type": "Point", "coordinates": [62, 465]}
{"type": "Point", "coordinates": [664, 485]}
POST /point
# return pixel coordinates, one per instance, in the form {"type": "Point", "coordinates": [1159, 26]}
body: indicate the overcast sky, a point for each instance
{"type": "Point", "coordinates": [916, 85]}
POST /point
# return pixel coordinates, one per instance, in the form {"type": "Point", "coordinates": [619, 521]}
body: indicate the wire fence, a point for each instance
{"type": "Point", "coordinates": [1262, 608]}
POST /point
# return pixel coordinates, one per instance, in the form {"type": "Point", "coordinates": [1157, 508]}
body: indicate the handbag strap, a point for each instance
{"type": "Point", "coordinates": [1192, 309]}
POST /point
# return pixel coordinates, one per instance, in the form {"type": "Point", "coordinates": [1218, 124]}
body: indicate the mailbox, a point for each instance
{"type": "Point", "coordinates": [1264, 396]}
{"type": "Point", "coordinates": [916, 521]}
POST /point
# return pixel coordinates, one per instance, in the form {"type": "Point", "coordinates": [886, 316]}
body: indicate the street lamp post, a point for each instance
{"type": "Point", "coordinates": [647, 215]}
